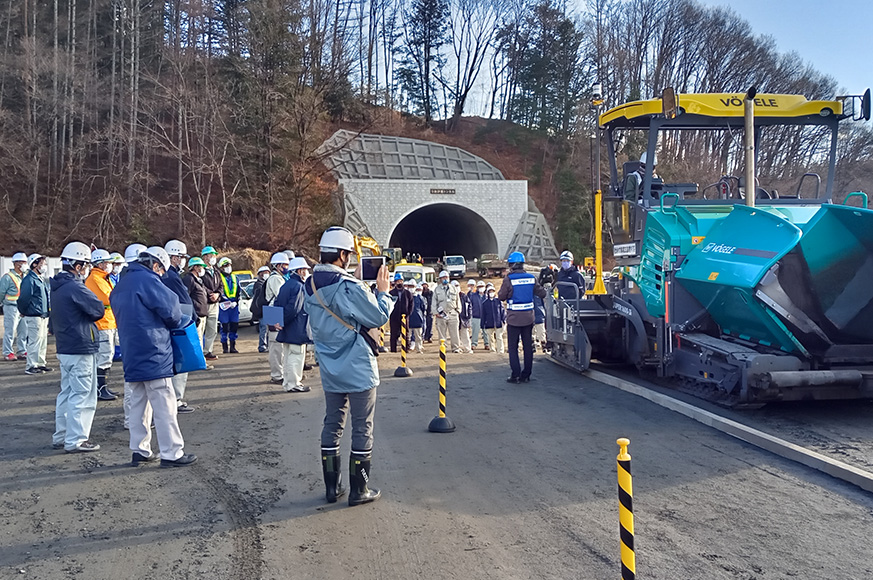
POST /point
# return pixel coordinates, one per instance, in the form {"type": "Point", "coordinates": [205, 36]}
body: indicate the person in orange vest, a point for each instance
{"type": "Point", "coordinates": [98, 282]}
{"type": "Point", "coordinates": [14, 331]}
{"type": "Point", "coordinates": [228, 307]}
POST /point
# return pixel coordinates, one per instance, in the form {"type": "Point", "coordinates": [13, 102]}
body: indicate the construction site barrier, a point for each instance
{"type": "Point", "coordinates": [441, 423]}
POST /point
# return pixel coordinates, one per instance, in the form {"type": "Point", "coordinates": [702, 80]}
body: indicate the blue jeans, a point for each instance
{"type": "Point", "coordinates": [262, 337]}
{"type": "Point", "coordinates": [77, 401]}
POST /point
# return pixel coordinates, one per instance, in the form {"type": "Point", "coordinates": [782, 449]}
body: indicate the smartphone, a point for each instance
{"type": "Point", "coordinates": [370, 267]}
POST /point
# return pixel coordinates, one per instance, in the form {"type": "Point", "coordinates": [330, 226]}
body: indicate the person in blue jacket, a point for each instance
{"type": "Point", "coordinates": [76, 309]}
{"type": "Point", "coordinates": [294, 331]}
{"type": "Point", "coordinates": [518, 291]}
{"type": "Point", "coordinates": [569, 274]}
{"type": "Point", "coordinates": [178, 253]}
{"type": "Point", "coordinates": [340, 308]}
{"type": "Point", "coordinates": [33, 305]}
{"type": "Point", "coordinates": [476, 294]}
{"type": "Point", "coordinates": [417, 318]}
{"type": "Point", "coordinates": [145, 311]}
{"type": "Point", "coordinates": [493, 317]}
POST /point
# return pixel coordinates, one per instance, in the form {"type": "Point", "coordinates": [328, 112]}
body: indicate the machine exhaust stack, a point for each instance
{"type": "Point", "coordinates": [749, 110]}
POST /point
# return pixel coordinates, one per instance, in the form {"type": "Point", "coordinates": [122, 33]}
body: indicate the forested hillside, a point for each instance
{"type": "Point", "coordinates": [126, 120]}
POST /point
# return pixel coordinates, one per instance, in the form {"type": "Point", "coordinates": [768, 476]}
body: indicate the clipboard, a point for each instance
{"type": "Point", "coordinates": [273, 315]}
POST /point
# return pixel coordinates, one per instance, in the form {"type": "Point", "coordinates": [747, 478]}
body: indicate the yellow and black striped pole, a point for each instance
{"type": "Point", "coordinates": [382, 339]}
{"type": "Point", "coordinates": [441, 423]}
{"type": "Point", "coordinates": [626, 512]}
{"type": "Point", "coordinates": [403, 370]}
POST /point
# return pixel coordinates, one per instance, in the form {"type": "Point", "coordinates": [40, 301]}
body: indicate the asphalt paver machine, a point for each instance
{"type": "Point", "coordinates": [739, 296]}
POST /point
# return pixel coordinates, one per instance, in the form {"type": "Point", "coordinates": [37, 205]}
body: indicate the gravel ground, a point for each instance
{"type": "Point", "coordinates": [525, 488]}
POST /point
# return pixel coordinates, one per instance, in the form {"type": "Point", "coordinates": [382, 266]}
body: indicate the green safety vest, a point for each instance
{"type": "Point", "coordinates": [231, 290]}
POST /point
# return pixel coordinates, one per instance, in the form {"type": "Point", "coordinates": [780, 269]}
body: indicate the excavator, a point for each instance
{"type": "Point", "coordinates": [364, 244]}
{"type": "Point", "coordinates": [734, 292]}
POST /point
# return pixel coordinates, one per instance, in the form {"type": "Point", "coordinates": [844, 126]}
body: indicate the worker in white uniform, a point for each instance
{"type": "Point", "coordinates": [447, 304]}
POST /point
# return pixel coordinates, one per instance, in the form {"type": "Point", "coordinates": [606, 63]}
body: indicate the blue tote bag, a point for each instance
{"type": "Point", "coordinates": [187, 349]}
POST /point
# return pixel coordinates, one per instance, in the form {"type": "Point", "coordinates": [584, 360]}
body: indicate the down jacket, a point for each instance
{"type": "Point", "coordinates": [75, 311]}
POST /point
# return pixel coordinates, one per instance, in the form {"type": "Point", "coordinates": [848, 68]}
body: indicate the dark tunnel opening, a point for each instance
{"type": "Point", "coordinates": [444, 229]}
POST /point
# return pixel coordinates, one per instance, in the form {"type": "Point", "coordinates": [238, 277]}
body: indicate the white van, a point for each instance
{"type": "Point", "coordinates": [456, 266]}
{"type": "Point", "coordinates": [416, 272]}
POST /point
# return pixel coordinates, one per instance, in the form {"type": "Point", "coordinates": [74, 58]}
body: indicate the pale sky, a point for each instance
{"type": "Point", "coordinates": [835, 37]}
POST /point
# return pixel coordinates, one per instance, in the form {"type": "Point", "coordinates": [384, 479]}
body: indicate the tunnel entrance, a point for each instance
{"type": "Point", "coordinates": [444, 229]}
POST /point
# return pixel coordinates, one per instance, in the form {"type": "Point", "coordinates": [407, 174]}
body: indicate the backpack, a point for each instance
{"type": "Point", "coordinates": [259, 300]}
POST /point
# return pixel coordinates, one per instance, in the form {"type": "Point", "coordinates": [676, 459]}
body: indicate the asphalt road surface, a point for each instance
{"type": "Point", "coordinates": [525, 488]}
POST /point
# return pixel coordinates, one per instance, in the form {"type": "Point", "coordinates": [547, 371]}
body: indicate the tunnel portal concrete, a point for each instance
{"type": "Point", "coordinates": [440, 229]}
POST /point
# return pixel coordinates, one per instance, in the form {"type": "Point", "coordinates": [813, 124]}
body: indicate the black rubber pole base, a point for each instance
{"type": "Point", "coordinates": [441, 425]}
{"type": "Point", "coordinates": [403, 372]}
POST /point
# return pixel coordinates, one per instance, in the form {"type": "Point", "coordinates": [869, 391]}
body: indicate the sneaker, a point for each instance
{"type": "Point", "coordinates": [210, 367]}
{"type": "Point", "coordinates": [33, 371]}
{"type": "Point", "coordinates": [57, 445]}
{"type": "Point", "coordinates": [525, 379]}
{"type": "Point", "coordinates": [84, 447]}
{"type": "Point", "coordinates": [46, 369]}
{"type": "Point", "coordinates": [513, 380]}
{"type": "Point", "coordinates": [183, 461]}
{"type": "Point", "coordinates": [262, 350]}
{"type": "Point", "coordinates": [184, 408]}
{"type": "Point", "coordinates": [299, 389]}
{"type": "Point", "coordinates": [140, 458]}
{"type": "Point", "coordinates": [276, 381]}
{"type": "Point", "coordinates": [22, 356]}
{"type": "Point", "coordinates": [210, 356]}
{"type": "Point", "coordinates": [111, 392]}
{"type": "Point", "coordinates": [11, 357]}
{"type": "Point", "coordinates": [307, 367]}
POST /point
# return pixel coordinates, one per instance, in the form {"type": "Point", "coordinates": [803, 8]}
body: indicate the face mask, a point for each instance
{"type": "Point", "coordinates": [198, 271]}
{"type": "Point", "coordinates": [117, 270]}
{"type": "Point", "coordinates": [565, 264]}
{"type": "Point", "coordinates": [491, 295]}
{"type": "Point", "coordinates": [444, 282]}
{"type": "Point", "coordinates": [44, 269]}
{"type": "Point", "coordinates": [226, 270]}
{"type": "Point", "coordinates": [182, 263]}
{"type": "Point", "coordinates": [211, 260]}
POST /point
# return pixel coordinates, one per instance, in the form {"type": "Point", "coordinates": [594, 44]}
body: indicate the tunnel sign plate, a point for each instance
{"type": "Point", "coordinates": [442, 192]}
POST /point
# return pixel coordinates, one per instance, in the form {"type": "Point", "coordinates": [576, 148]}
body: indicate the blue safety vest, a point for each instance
{"type": "Point", "coordinates": [522, 291]}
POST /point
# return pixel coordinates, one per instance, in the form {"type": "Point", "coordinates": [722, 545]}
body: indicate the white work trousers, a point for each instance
{"type": "Point", "coordinates": [539, 333]}
{"type": "Point", "coordinates": [418, 338]}
{"type": "Point", "coordinates": [465, 338]}
{"type": "Point", "coordinates": [14, 331]}
{"type": "Point", "coordinates": [77, 401]}
{"type": "Point", "coordinates": [107, 348]}
{"type": "Point", "coordinates": [211, 328]}
{"type": "Point", "coordinates": [128, 390]}
{"type": "Point", "coordinates": [159, 394]}
{"type": "Point", "coordinates": [37, 340]}
{"type": "Point", "coordinates": [277, 356]}
{"type": "Point", "coordinates": [295, 358]}
{"type": "Point", "coordinates": [180, 383]}
{"type": "Point", "coordinates": [495, 335]}
{"type": "Point", "coordinates": [447, 328]}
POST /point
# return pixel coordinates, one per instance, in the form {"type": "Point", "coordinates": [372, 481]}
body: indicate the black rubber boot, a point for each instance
{"type": "Point", "coordinates": [233, 347]}
{"type": "Point", "coordinates": [224, 347]}
{"type": "Point", "coordinates": [359, 474]}
{"type": "Point", "coordinates": [333, 478]}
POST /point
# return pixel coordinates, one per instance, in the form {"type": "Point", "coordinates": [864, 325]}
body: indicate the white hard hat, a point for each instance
{"type": "Point", "coordinates": [480, 284]}
{"type": "Point", "coordinates": [456, 284]}
{"type": "Point", "coordinates": [444, 274]}
{"type": "Point", "coordinates": [290, 253]}
{"type": "Point", "coordinates": [116, 258]}
{"type": "Point", "coordinates": [567, 255]}
{"type": "Point", "coordinates": [280, 258]}
{"type": "Point", "coordinates": [133, 251]}
{"type": "Point", "coordinates": [263, 269]}
{"type": "Point", "coordinates": [19, 257]}
{"type": "Point", "coordinates": [33, 258]}
{"type": "Point", "coordinates": [645, 156]}
{"type": "Point", "coordinates": [76, 252]}
{"type": "Point", "coordinates": [99, 255]}
{"type": "Point", "coordinates": [471, 282]}
{"type": "Point", "coordinates": [298, 263]}
{"type": "Point", "coordinates": [176, 248]}
{"type": "Point", "coordinates": [336, 238]}
{"type": "Point", "coordinates": [160, 254]}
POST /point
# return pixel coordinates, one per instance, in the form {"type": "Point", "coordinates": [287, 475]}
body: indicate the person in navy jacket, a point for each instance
{"type": "Point", "coordinates": [76, 309]}
{"type": "Point", "coordinates": [178, 253]}
{"type": "Point", "coordinates": [294, 333]}
{"type": "Point", "coordinates": [518, 290]}
{"type": "Point", "coordinates": [493, 317]}
{"type": "Point", "coordinates": [146, 311]}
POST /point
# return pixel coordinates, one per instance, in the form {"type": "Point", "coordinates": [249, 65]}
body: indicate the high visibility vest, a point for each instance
{"type": "Point", "coordinates": [522, 291]}
{"type": "Point", "coordinates": [230, 290]}
{"type": "Point", "coordinates": [16, 279]}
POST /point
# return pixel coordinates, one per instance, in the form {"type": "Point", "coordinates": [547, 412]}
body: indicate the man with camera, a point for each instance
{"type": "Point", "coordinates": [342, 310]}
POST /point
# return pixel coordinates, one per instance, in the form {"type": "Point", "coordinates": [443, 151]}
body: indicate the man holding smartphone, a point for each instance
{"type": "Point", "coordinates": [340, 309]}
{"type": "Point", "coordinates": [402, 305]}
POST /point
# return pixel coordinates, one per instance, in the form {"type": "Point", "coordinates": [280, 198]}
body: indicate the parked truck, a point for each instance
{"type": "Point", "coordinates": [491, 266]}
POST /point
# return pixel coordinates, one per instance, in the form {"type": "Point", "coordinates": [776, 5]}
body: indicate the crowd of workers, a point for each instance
{"type": "Point", "coordinates": [102, 302]}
